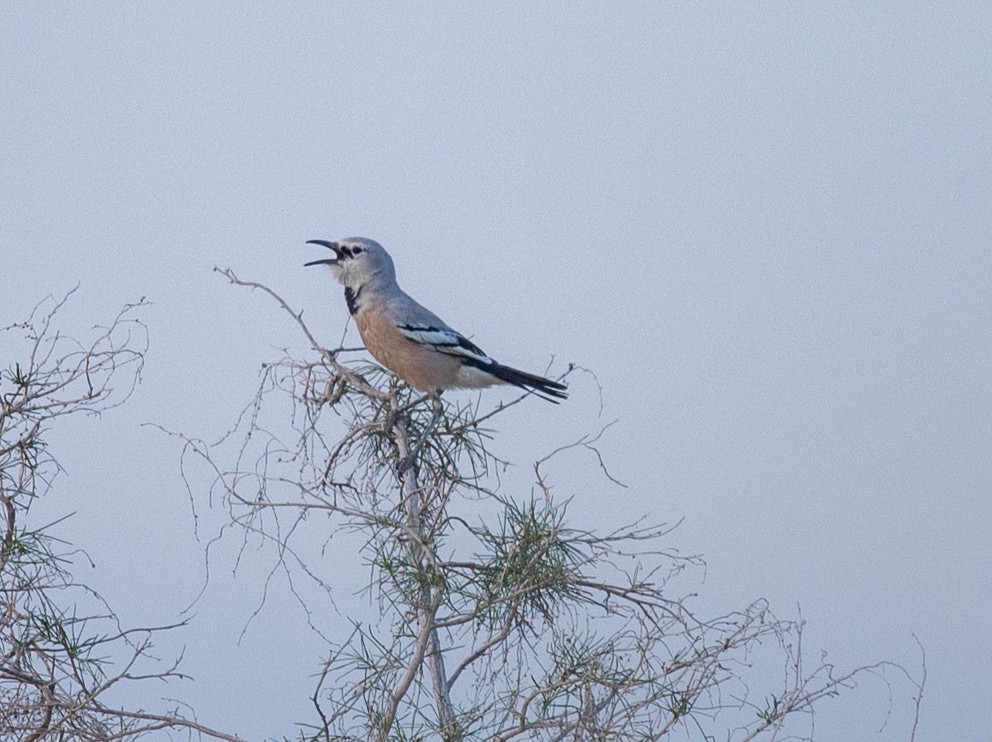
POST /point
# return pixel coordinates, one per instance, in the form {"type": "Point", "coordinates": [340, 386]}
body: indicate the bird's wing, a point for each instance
{"type": "Point", "coordinates": [444, 340]}
{"type": "Point", "coordinates": [420, 325]}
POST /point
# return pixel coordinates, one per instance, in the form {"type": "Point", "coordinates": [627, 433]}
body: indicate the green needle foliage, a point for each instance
{"type": "Point", "coordinates": [488, 617]}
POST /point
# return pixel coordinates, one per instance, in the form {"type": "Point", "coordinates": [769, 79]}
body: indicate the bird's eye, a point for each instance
{"type": "Point", "coordinates": [356, 250]}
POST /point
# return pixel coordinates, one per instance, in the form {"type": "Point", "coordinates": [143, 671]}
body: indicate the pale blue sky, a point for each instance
{"type": "Point", "coordinates": [766, 227]}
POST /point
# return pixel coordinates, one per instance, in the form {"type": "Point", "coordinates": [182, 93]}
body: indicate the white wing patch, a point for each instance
{"type": "Point", "coordinates": [445, 340]}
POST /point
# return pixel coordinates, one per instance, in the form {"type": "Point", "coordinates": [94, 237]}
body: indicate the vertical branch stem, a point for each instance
{"type": "Point", "coordinates": [429, 596]}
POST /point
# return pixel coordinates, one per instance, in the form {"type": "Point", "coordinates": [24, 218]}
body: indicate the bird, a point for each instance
{"type": "Point", "coordinates": [409, 339]}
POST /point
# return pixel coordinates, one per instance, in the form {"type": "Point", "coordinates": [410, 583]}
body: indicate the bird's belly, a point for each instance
{"type": "Point", "coordinates": [419, 366]}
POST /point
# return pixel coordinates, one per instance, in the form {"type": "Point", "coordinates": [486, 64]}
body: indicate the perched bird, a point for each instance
{"type": "Point", "coordinates": [409, 339]}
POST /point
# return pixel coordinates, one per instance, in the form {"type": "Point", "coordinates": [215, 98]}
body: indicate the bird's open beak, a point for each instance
{"type": "Point", "coordinates": [330, 246]}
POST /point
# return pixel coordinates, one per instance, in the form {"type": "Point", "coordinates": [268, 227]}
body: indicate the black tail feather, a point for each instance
{"type": "Point", "coordinates": [537, 384]}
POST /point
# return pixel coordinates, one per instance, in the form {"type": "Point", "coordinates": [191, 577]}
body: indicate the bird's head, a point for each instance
{"type": "Point", "coordinates": [357, 262]}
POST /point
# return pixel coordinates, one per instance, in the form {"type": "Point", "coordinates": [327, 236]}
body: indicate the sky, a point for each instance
{"type": "Point", "coordinates": [765, 228]}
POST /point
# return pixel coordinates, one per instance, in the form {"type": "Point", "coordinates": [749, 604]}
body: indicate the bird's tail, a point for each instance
{"type": "Point", "coordinates": [538, 384]}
